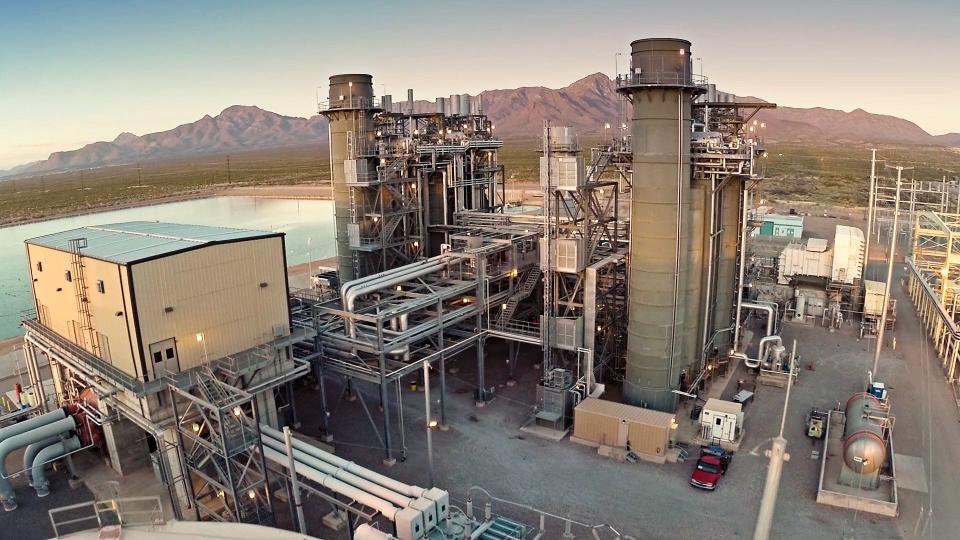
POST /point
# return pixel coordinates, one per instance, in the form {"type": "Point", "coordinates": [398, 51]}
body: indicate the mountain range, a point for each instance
{"type": "Point", "coordinates": [587, 104]}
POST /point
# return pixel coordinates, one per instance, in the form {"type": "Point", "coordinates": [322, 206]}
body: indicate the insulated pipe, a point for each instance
{"type": "Point", "coordinates": [32, 450]}
{"type": "Point", "coordinates": [52, 452]}
{"type": "Point", "coordinates": [35, 422]}
{"type": "Point", "coordinates": [19, 441]}
{"type": "Point", "coordinates": [388, 510]}
{"type": "Point", "coordinates": [741, 270]}
{"type": "Point", "coordinates": [771, 318]}
{"type": "Point", "coordinates": [340, 474]}
{"type": "Point", "coordinates": [753, 363]}
{"type": "Point", "coordinates": [385, 481]}
{"type": "Point", "coordinates": [383, 276]}
{"type": "Point", "coordinates": [399, 276]}
{"type": "Point", "coordinates": [350, 291]}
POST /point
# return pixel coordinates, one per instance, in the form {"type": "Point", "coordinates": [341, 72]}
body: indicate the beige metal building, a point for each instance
{"type": "Point", "coordinates": [598, 422]}
{"type": "Point", "coordinates": [155, 327]}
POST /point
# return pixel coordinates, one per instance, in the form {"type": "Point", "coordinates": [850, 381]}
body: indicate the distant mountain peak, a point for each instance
{"type": "Point", "coordinates": [586, 104]}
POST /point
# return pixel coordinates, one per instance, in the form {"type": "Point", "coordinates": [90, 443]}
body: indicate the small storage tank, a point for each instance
{"type": "Point", "coordinates": [465, 104]}
{"type": "Point", "coordinates": [455, 105]}
{"type": "Point", "coordinates": [864, 448]}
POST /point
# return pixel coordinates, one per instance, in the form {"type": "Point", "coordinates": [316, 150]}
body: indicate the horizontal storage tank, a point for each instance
{"type": "Point", "coordinates": [864, 448]}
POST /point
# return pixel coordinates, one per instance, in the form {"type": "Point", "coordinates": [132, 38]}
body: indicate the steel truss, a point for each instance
{"type": "Point", "coordinates": [934, 283]}
{"type": "Point", "coordinates": [222, 451]}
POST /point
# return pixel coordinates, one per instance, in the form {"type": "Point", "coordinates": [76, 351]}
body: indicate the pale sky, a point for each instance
{"type": "Point", "coordinates": [72, 73]}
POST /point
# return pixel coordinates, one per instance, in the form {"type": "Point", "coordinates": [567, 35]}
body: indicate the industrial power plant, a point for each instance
{"type": "Point", "coordinates": [643, 287]}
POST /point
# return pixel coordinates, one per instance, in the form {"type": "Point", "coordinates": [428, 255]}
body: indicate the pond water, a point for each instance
{"type": "Point", "coordinates": [308, 224]}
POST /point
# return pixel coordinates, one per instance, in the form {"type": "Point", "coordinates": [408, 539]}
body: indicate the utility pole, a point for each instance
{"type": "Point", "coordinates": [82, 188]}
{"type": "Point", "coordinates": [886, 289]}
{"type": "Point", "coordinates": [778, 455]}
{"type": "Point", "coordinates": [873, 187]}
{"type": "Point", "coordinates": [229, 178]}
{"type": "Point", "coordinates": [139, 179]}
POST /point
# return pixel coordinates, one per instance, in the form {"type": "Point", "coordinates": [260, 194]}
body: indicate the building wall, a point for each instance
{"type": "Point", "coordinates": [215, 291]}
{"type": "Point", "coordinates": [111, 312]}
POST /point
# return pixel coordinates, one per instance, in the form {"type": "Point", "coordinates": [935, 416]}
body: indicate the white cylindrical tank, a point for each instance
{"type": "Point", "coordinates": [465, 104]}
{"type": "Point", "coordinates": [455, 104]}
{"type": "Point", "coordinates": [864, 449]}
{"type": "Point", "coordinates": [439, 106]}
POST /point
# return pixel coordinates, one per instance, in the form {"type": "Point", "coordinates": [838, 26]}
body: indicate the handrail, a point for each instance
{"type": "Point", "coordinates": [672, 78]}
{"type": "Point", "coordinates": [934, 297]}
{"type": "Point", "coordinates": [106, 512]}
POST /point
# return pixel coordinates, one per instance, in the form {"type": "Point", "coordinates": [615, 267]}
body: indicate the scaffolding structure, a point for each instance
{"type": "Point", "coordinates": [406, 175]}
{"type": "Point", "coordinates": [222, 450]}
{"type": "Point", "coordinates": [209, 459]}
{"type": "Point", "coordinates": [583, 255]}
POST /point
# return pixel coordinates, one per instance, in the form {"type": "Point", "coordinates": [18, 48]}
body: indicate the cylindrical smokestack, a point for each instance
{"type": "Point", "coordinates": [410, 100]}
{"type": "Point", "coordinates": [350, 110]}
{"type": "Point", "coordinates": [660, 225]}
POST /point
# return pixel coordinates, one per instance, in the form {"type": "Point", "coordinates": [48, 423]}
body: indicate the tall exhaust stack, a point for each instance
{"type": "Point", "coordinates": [350, 114]}
{"type": "Point", "coordinates": [663, 292]}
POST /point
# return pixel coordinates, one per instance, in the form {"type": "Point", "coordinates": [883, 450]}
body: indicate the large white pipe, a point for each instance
{"type": "Point", "coordinates": [764, 343]}
{"type": "Point", "coordinates": [19, 441]}
{"type": "Point", "coordinates": [367, 474]}
{"type": "Point", "coordinates": [388, 510]}
{"type": "Point", "coordinates": [33, 449]}
{"type": "Point", "coordinates": [399, 275]}
{"type": "Point", "coordinates": [52, 452]}
{"type": "Point", "coordinates": [374, 277]}
{"type": "Point", "coordinates": [35, 422]}
{"type": "Point", "coordinates": [340, 474]}
{"type": "Point", "coordinates": [771, 317]}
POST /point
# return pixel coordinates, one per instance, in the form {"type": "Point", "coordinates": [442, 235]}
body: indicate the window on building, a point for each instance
{"type": "Point", "coordinates": [169, 353]}
{"type": "Point", "coordinates": [39, 266]}
{"type": "Point", "coordinates": [100, 287]}
{"type": "Point", "coordinates": [69, 276]}
{"type": "Point", "coordinates": [157, 357]}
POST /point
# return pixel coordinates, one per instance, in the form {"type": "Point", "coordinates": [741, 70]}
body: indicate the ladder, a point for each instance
{"type": "Point", "coordinates": [80, 293]}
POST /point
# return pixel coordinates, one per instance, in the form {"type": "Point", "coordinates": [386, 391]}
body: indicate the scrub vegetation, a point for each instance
{"type": "Point", "coordinates": [834, 175]}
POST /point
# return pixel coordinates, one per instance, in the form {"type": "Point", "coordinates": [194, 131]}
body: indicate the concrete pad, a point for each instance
{"type": "Point", "coordinates": [911, 473]}
{"type": "Point", "coordinates": [542, 432]}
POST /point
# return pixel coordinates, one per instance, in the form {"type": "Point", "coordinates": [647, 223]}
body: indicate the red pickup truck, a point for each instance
{"type": "Point", "coordinates": [710, 467]}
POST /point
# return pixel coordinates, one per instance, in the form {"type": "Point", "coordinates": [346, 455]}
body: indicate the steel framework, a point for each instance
{"type": "Point", "coordinates": [934, 284]}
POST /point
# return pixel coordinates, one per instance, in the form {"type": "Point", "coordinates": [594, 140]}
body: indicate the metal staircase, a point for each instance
{"type": "Point", "coordinates": [526, 288]}
{"type": "Point", "coordinates": [225, 469]}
